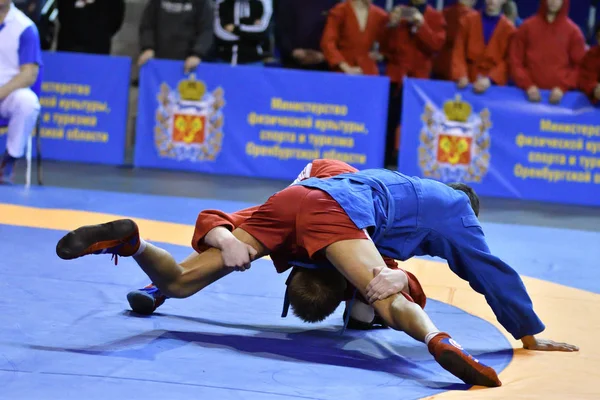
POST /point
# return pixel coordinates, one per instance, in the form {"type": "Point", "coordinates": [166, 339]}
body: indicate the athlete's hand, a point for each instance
{"type": "Point", "coordinates": [556, 95]}
{"type": "Point", "coordinates": [145, 57]}
{"type": "Point", "coordinates": [237, 255]}
{"type": "Point", "coordinates": [386, 282]}
{"type": "Point", "coordinates": [462, 82]}
{"type": "Point", "coordinates": [533, 94]}
{"type": "Point", "coordinates": [191, 63]}
{"type": "Point", "coordinates": [533, 343]}
{"type": "Point", "coordinates": [483, 83]}
{"type": "Point", "coordinates": [597, 92]}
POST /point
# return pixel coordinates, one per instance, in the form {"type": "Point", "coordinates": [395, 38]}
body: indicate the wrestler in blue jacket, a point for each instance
{"type": "Point", "coordinates": [409, 216]}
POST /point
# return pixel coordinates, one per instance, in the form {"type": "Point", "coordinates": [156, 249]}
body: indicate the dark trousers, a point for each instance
{"type": "Point", "coordinates": [393, 121]}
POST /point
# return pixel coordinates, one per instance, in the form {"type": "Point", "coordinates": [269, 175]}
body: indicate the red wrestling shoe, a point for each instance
{"type": "Point", "coordinates": [119, 238]}
{"type": "Point", "coordinates": [454, 359]}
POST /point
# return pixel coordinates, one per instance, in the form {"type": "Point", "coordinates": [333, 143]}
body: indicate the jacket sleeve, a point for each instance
{"type": "Point", "coordinates": [588, 74]}
{"type": "Point", "coordinates": [459, 52]}
{"type": "Point", "coordinates": [499, 74]}
{"type": "Point", "coordinates": [257, 32]}
{"type": "Point", "coordinates": [576, 54]}
{"type": "Point", "coordinates": [516, 60]}
{"type": "Point", "coordinates": [148, 26]}
{"type": "Point", "coordinates": [501, 285]}
{"type": "Point", "coordinates": [209, 219]}
{"type": "Point", "coordinates": [432, 34]}
{"type": "Point", "coordinates": [330, 37]}
{"type": "Point", "coordinates": [204, 28]}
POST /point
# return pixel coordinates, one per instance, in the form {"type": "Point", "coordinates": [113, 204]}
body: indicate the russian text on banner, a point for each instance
{"type": "Point", "coordinates": [253, 121]}
{"type": "Point", "coordinates": [84, 103]}
{"type": "Point", "coordinates": [501, 144]}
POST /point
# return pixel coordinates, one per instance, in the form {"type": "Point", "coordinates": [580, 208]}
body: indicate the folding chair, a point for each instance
{"type": "Point", "coordinates": [29, 151]}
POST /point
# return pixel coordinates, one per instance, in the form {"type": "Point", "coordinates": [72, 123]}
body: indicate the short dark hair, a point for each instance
{"type": "Point", "coordinates": [473, 198]}
{"type": "Point", "coordinates": [314, 294]}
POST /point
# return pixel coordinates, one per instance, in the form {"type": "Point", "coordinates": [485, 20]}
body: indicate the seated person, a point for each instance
{"type": "Point", "coordinates": [20, 80]}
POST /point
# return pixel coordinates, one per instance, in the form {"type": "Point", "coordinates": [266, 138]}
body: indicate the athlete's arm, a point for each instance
{"type": "Point", "coordinates": [386, 283]}
{"type": "Point", "coordinates": [214, 228]}
{"type": "Point", "coordinates": [209, 220]}
{"type": "Point", "coordinates": [470, 258]}
{"type": "Point", "coordinates": [219, 237]}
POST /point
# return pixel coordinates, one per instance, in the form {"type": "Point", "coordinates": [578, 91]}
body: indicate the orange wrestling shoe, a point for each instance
{"type": "Point", "coordinates": [119, 238]}
{"type": "Point", "coordinates": [454, 359]}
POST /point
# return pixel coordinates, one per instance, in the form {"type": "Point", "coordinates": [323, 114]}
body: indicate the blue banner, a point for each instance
{"type": "Point", "coordinates": [84, 111]}
{"type": "Point", "coordinates": [254, 121]}
{"type": "Point", "coordinates": [501, 144]}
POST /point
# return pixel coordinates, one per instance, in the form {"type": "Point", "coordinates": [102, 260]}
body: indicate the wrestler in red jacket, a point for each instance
{"type": "Point", "coordinates": [148, 299]}
{"type": "Point", "coordinates": [352, 29]}
{"type": "Point", "coordinates": [481, 48]}
{"type": "Point", "coordinates": [411, 45]}
{"type": "Point", "coordinates": [546, 52]}
{"type": "Point", "coordinates": [442, 65]}
{"type": "Point", "coordinates": [589, 74]}
{"type": "Point", "coordinates": [418, 33]}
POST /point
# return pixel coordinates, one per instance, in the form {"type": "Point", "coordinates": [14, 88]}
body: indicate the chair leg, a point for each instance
{"type": "Point", "coordinates": [28, 156]}
{"type": "Point", "coordinates": [38, 145]}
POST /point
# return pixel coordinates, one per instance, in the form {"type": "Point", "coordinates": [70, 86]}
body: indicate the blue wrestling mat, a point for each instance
{"type": "Point", "coordinates": [67, 333]}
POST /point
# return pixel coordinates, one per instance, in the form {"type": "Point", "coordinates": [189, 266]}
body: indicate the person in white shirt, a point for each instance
{"type": "Point", "coordinates": [20, 82]}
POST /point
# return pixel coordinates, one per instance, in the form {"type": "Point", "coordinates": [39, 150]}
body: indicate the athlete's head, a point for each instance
{"type": "Point", "coordinates": [315, 294]}
{"type": "Point", "coordinates": [473, 198]}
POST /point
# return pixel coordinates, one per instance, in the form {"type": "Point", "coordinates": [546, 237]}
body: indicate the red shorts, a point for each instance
{"type": "Point", "coordinates": [301, 217]}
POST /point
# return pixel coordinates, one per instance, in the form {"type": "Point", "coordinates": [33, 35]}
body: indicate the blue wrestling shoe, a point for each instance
{"type": "Point", "coordinates": [146, 300]}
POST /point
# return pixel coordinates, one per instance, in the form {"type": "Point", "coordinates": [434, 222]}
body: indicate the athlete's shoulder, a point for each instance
{"type": "Point", "coordinates": [21, 18]}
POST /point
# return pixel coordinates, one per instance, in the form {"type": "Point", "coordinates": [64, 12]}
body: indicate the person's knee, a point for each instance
{"type": "Point", "coordinates": [314, 294]}
{"type": "Point", "coordinates": [25, 102]}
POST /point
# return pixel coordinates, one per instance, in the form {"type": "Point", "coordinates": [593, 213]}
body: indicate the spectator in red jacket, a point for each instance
{"type": "Point", "coordinates": [546, 52]}
{"type": "Point", "coordinates": [481, 48]}
{"type": "Point", "coordinates": [589, 74]}
{"type": "Point", "coordinates": [442, 66]}
{"type": "Point", "coordinates": [417, 34]}
{"type": "Point", "coordinates": [352, 29]}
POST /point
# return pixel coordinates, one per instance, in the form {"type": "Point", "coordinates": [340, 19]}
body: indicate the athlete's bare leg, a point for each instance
{"type": "Point", "coordinates": [121, 238]}
{"type": "Point", "coordinates": [180, 280]}
{"type": "Point", "coordinates": [356, 259]}
{"type": "Point", "coordinates": [193, 274]}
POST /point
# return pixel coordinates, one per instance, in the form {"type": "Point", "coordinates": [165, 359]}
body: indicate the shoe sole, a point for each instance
{"type": "Point", "coordinates": [462, 369]}
{"type": "Point", "coordinates": [140, 303]}
{"type": "Point", "coordinates": [92, 238]}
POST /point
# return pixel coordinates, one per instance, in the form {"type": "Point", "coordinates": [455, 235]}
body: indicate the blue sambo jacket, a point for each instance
{"type": "Point", "coordinates": [409, 216]}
